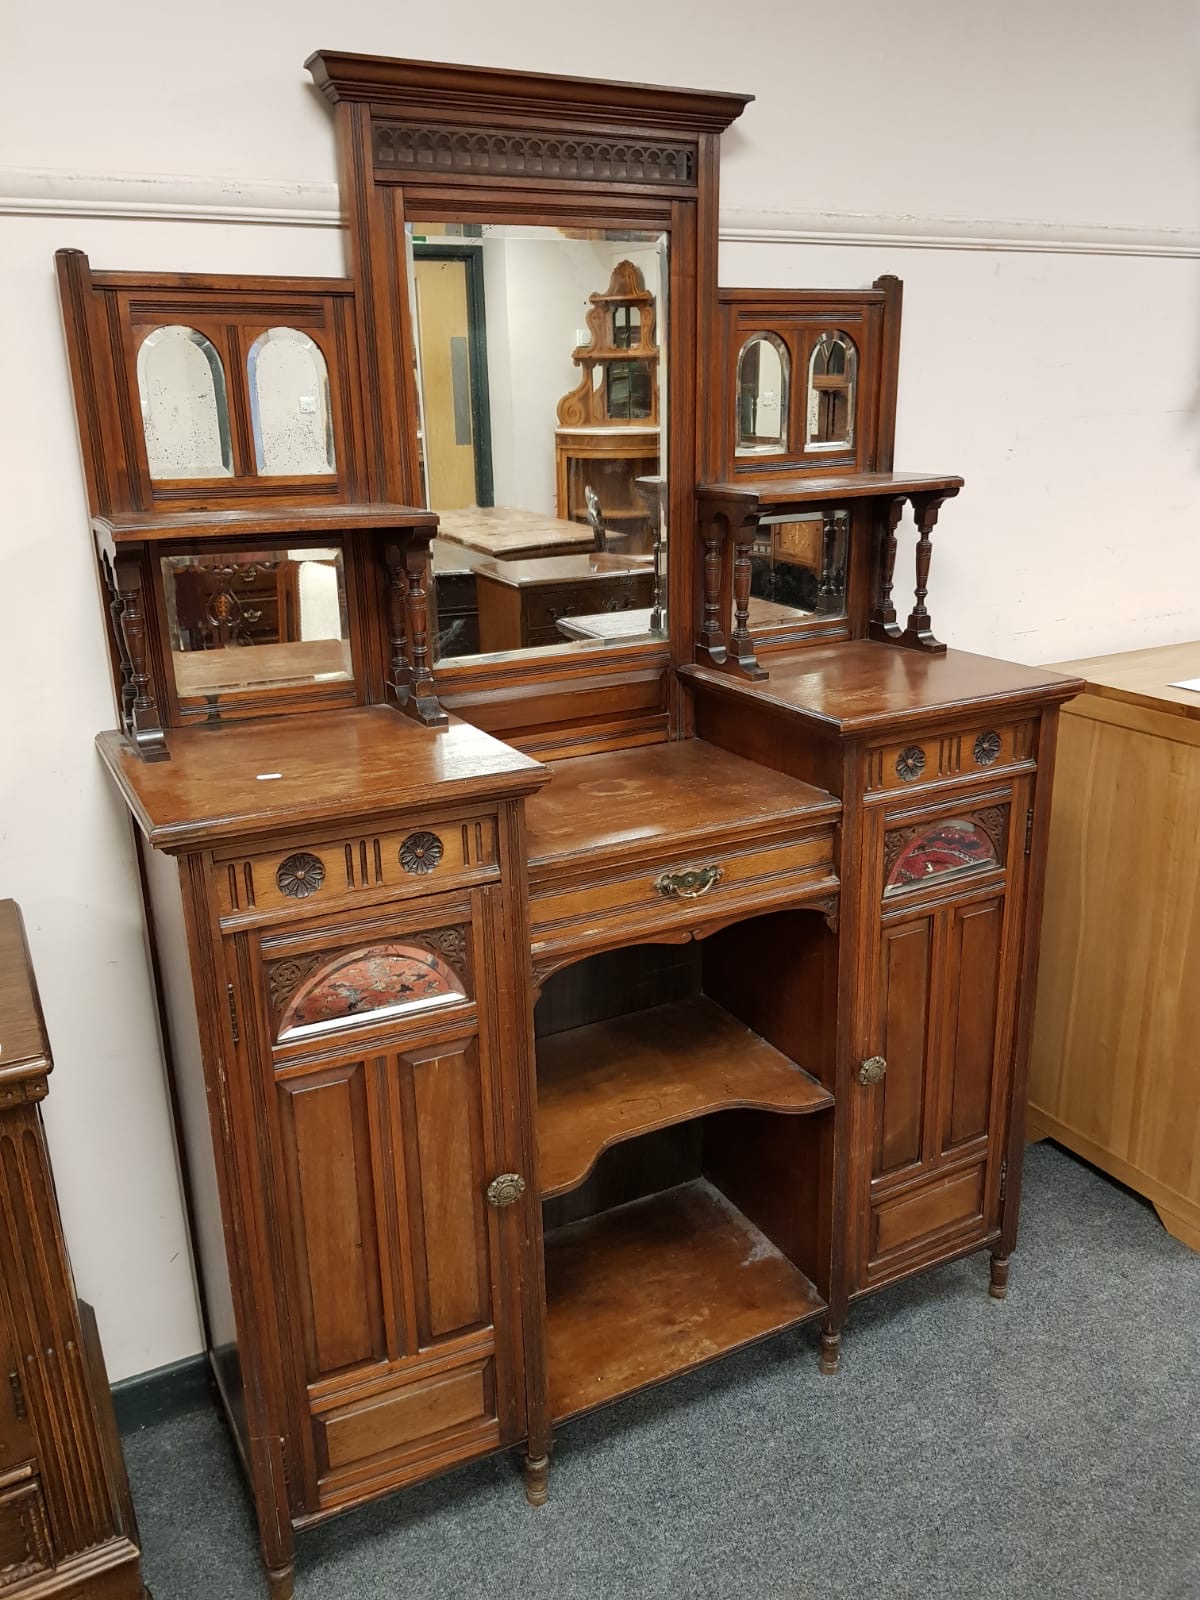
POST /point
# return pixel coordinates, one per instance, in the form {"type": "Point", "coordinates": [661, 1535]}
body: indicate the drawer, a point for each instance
{"type": "Point", "coordinates": [926, 1215]}
{"type": "Point", "coordinates": [24, 1532]}
{"type": "Point", "coordinates": [665, 893]}
{"type": "Point", "coordinates": [977, 751]}
{"type": "Point", "coordinates": [400, 1426]}
{"type": "Point", "coordinates": [327, 874]}
{"type": "Point", "coordinates": [627, 592]}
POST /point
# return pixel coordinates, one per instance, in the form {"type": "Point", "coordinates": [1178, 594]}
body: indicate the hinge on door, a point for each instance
{"type": "Point", "coordinates": [233, 1016]}
{"type": "Point", "coordinates": [18, 1394]}
{"type": "Point", "coordinates": [1003, 1179]}
{"type": "Point", "coordinates": [1029, 830]}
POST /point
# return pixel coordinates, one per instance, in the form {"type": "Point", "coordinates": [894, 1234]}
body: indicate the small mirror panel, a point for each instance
{"type": "Point", "coordinates": [541, 372]}
{"type": "Point", "coordinates": [832, 389]}
{"type": "Point", "coordinates": [763, 380]}
{"type": "Point", "coordinates": [244, 621]}
{"type": "Point", "coordinates": [798, 568]}
{"type": "Point", "coordinates": [289, 405]}
{"type": "Point", "coordinates": [185, 409]}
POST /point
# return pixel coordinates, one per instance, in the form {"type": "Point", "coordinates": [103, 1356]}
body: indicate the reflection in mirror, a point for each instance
{"type": "Point", "coordinates": [289, 405]}
{"type": "Point", "coordinates": [832, 370]}
{"type": "Point", "coordinates": [256, 619]}
{"type": "Point", "coordinates": [185, 410]}
{"type": "Point", "coordinates": [541, 376]}
{"type": "Point", "coordinates": [798, 568]}
{"type": "Point", "coordinates": [763, 379]}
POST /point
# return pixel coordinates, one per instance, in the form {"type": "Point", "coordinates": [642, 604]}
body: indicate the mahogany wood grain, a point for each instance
{"type": "Point", "coordinates": [659, 1287]}
{"type": "Point", "coordinates": [258, 522]}
{"type": "Point", "coordinates": [367, 757]}
{"type": "Point", "coordinates": [819, 487]}
{"type": "Point", "coordinates": [614, 1080]}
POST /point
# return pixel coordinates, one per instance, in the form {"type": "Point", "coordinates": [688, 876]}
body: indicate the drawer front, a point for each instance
{"type": "Point", "coordinates": [423, 858]}
{"type": "Point", "coordinates": [628, 592]}
{"type": "Point", "coordinates": [930, 758]}
{"type": "Point", "coordinates": [24, 1532]}
{"type": "Point", "coordinates": [664, 894]}
{"type": "Point", "coordinates": [947, 1210]}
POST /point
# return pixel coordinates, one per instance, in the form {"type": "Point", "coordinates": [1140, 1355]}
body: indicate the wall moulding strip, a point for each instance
{"type": "Point", "coordinates": [33, 192]}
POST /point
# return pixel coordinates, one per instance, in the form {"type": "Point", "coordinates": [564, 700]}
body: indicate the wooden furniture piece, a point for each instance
{"type": "Point", "coordinates": [521, 602]}
{"type": "Point", "coordinates": [67, 1530]}
{"type": "Point", "coordinates": [510, 1088]}
{"type": "Point", "coordinates": [1112, 1074]}
{"type": "Point", "coordinates": [512, 535]}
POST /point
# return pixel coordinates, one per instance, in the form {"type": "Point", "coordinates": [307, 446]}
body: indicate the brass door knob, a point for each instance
{"type": "Point", "coordinates": [505, 1190]}
{"type": "Point", "coordinates": [872, 1070]}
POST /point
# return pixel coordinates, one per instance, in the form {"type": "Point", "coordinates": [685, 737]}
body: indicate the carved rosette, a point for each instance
{"type": "Point", "coordinates": [300, 875]}
{"type": "Point", "coordinates": [987, 748]}
{"type": "Point", "coordinates": [421, 852]}
{"type": "Point", "coordinates": [910, 763]}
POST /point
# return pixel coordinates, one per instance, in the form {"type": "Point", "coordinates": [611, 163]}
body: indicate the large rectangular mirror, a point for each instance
{"type": "Point", "coordinates": [542, 384]}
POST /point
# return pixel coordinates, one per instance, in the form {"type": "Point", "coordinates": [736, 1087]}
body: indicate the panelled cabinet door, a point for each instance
{"type": "Point", "coordinates": [386, 1135]}
{"type": "Point", "coordinates": [942, 1018]}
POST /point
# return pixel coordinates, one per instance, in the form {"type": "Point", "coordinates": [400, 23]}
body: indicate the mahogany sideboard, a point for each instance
{"type": "Point", "coordinates": [67, 1530]}
{"type": "Point", "coordinates": [1112, 1074]}
{"type": "Point", "coordinates": [550, 1021]}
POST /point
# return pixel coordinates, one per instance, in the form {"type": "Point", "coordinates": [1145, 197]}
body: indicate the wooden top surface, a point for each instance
{"type": "Point", "coordinates": [24, 1048]}
{"type": "Point", "coordinates": [835, 486]}
{"type": "Point", "coordinates": [1144, 677]}
{"type": "Point", "coordinates": [504, 531]}
{"type": "Point", "coordinates": [625, 801]}
{"type": "Point", "coordinates": [563, 569]}
{"type": "Point", "coordinates": [330, 766]}
{"type": "Point", "coordinates": [860, 686]}
{"type": "Point", "coordinates": [135, 526]}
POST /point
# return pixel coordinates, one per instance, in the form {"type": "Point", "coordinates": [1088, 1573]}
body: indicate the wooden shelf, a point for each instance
{"type": "Point", "coordinates": [658, 1287]}
{"type": "Point", "coordinates": [615, 1080]}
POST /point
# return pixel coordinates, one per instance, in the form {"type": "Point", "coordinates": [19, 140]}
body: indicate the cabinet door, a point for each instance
{"type": "Point", "coordinates": [386, 1134]}
{"type": "Point", "coordinates": [941, 1016]}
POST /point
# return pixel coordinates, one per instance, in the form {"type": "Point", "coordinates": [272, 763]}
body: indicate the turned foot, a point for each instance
{"type": "Point", "coordinates": [281, 1582]}
{"type": "Point", "coordinates": [831, 1352]}
{"type": "Point", "coordinates": [536, 1472]}
{"type": "Point", "coordinates": [998, 1287]}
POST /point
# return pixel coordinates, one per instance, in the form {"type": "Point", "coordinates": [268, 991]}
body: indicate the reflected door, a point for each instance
{"type": "Point", "coordinates": [444, 324]}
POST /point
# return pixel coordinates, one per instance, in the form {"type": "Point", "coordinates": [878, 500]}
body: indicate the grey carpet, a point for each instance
{"type": "Point", "coordinates": [1046, 1446]}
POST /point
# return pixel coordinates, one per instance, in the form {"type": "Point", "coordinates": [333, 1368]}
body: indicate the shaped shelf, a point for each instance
{"type": "Point", "coordinates": [614, 1080]}
{"type": "Point", "coordinates": [658, 1287]}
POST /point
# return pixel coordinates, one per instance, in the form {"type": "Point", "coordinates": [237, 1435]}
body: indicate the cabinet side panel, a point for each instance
{"type": "Point", "coordinates": [906, 974]}
{"type": "Point", "coordinates": [192, 1108]}
{"type": "Point", "coordinates": [976, 954]}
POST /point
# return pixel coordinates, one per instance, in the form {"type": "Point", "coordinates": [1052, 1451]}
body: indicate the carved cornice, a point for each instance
{"type": "Point", "coordinates": [434, 150]}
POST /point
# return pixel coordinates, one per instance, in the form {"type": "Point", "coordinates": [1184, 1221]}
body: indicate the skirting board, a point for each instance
{"type": "Point", "coordinates": [162, 1393]}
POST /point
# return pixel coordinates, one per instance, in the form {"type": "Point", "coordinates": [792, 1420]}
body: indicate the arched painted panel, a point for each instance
{"type": "Point", "coordinates": [376, 981]}
{"type": "Point", "coordinates": [941, 849]}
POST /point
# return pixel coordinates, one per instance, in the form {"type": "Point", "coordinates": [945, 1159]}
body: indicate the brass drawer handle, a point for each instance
{"type": "Point", "coordinates": [688, 885]}
{"type": "Point", "coordinates": [872, 1071]}
{"type": "Point", "coordinates": [505, 1190]}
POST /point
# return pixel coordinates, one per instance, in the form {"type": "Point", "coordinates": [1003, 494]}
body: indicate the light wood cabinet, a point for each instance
{"type": "Point", "coordinates": [1113, 1073]}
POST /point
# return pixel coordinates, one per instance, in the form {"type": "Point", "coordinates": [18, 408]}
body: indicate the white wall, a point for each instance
{"type": "Point", "coordinates": [1029, 170]}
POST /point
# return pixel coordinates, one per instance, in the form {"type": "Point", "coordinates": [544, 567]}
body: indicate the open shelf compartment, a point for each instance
{"type": "Point", "coordinates": [657, 1287]}
{"type": "Point", "coordinates": [614, 1080]}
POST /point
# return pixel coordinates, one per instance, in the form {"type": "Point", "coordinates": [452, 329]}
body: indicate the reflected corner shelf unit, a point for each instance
{"type": "Point", "coordinates": [549, 1023]}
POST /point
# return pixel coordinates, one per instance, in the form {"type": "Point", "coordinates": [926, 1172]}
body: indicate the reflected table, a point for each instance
{"type": "Point", "coordinates": [509, 534]}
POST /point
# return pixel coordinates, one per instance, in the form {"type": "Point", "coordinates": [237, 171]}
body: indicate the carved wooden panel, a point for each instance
{"type": "Point", "coordinates": [975, 933]}
{"type": "Point", "coordinates": [326, 1124]}
{"type": "Point", "coordinates": [414, 1415]}
{"type": "Point", "coordinates": [371, 866]}
{"type": "Point", "coordinates": [911, 763]}
{"type": "Point", "coordinates": [25, 1548]}
{"type": "Point", "coordinates": [403, 151]}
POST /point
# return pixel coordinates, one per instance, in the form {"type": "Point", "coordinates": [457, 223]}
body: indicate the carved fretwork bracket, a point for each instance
{"type": "Point", "coordinates": [918, 635]}
{"type": "Point", "coordinates": [728, 526]}
{"type": "Point", "coordinates": [140, 718]}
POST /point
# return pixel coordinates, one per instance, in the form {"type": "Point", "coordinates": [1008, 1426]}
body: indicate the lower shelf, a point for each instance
{"type": "Point", "coordinates": [658, 1287]}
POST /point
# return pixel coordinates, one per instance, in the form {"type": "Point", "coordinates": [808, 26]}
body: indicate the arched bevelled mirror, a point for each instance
{"type": "Point", "coordinates": [185, 409]}
{"type": "Point", "coordinates": [763, 380]}
{"type": "Point", "coordinates": [832, 386]}
{"type": "Point", "coordinates": [289, 405]}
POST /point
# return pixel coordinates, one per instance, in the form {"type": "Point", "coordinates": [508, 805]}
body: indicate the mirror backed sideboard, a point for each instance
{"type": "Point", "coordinates": [596, 912]}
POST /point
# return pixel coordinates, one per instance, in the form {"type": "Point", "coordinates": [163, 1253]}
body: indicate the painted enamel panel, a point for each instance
{"type": "Point", "coordinates": [378, 981]}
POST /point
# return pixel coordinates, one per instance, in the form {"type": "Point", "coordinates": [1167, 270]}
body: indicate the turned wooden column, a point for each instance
{"type": "Point", "coordinates": [883, 624]}
{"type": "Point", "coordinates": [918, 635]}
{"type": "Point", "coordinates": [410, 671]}
{"type": "Point", "coordinates": [728, 525]}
